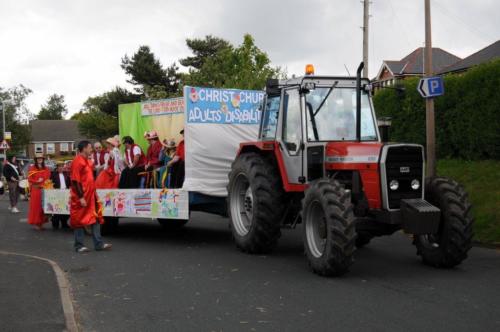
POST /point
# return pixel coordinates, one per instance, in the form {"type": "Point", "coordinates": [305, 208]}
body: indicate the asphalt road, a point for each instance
{"type": "Point", "coordinates": [196, 280]}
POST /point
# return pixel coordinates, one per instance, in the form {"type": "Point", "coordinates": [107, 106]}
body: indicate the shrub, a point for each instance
{"type": "Point", "coordinates": [467, 115]}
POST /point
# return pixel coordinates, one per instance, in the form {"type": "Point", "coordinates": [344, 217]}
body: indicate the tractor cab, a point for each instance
{"type": "Point", "coordinates": [307, 116]}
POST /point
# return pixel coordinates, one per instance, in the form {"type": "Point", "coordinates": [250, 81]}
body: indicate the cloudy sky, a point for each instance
{"type": "Point", "coordinates": [74, 47]}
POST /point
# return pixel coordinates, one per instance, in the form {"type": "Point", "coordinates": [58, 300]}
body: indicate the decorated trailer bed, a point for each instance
{"type": "Point", "coordinates": [215, 122]}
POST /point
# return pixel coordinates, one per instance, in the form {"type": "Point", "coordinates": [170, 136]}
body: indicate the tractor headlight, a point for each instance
{"type": "Point", "coordinates": [394, 184]}
{"type": "Point", "coordinates": [415, 184]}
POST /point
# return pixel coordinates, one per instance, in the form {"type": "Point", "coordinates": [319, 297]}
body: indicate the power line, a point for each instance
{"type": "Point", "coordinates": [400, 25]}
{"type": "Point", "coordinates": [463, 23]}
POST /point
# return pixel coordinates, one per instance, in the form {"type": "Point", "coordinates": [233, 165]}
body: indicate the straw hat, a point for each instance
{"type": "Point", "coordinates": [39, 155]}
{"type": "Point", "coordinates": [168, 143]}
{"type": "Point", "coordinates": [115, 141]}
{"type": "Point", "coordinates": [152, 134]}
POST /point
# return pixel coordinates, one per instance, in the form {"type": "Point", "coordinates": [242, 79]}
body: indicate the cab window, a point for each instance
{"type": "Point", "coordinates": [270, 117]}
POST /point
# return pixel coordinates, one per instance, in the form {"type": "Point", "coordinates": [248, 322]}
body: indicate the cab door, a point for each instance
{"type": "Point", "coordinates": [291, 137]}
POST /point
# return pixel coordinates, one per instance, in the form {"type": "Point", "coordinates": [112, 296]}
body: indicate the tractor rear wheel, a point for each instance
{"type": "Point", "coordinates": [450, 245]}
{"type": "Point", "coordinates": [255, 203]}
{"type": "Point", "coordinates": [329, 229]}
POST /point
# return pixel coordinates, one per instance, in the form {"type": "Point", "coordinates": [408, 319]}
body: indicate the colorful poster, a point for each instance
{"type": "Point", "coordinates": [133, 203]}
{"type": "Point", "coordinates": [223, 106]}
{"type": "Point", "coordinates": [162, 106]}
{"type": "Point", "coordinates": [133, 123]}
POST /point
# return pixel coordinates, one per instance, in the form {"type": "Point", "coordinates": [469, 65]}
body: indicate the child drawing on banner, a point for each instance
{"type": "Point", "coordinates": [119, 204]}
{"type": "Point", "coordinates": [168, 204]}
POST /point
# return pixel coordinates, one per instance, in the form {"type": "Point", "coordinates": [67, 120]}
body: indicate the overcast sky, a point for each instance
{"type": "Point", "coordinates": [75, 47]}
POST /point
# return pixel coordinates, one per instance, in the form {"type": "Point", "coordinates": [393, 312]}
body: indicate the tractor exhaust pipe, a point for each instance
{"type": "Point", "coordinates": [358, 101]}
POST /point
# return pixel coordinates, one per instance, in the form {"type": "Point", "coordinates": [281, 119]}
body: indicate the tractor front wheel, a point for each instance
{"type": "Point", "coordinates": [255, 205]}
{"type": "Point", "coordinates": [329, 229]}
{"type": "Point", "coordinates": [449, 246]}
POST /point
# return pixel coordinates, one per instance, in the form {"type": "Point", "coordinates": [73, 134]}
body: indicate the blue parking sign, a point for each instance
{"type": "Point", "coordinates": [429, 87]}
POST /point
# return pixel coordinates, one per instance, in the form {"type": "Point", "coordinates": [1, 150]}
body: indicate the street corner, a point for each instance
{"type": "Point", "coordinates": [33, 295]}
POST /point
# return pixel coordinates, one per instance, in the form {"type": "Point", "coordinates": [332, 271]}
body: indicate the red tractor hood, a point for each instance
{"type": "Point", "coordinates": [353, 152]}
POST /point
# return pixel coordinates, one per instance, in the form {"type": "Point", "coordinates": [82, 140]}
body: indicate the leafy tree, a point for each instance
{"type": "Point", "coordinates": [143, 68]}
{"type": "Point", "coordinates": [244, 67]}
{"type": "Point", "coordinates": [97, 125]}
{"type": "Point", "coordinates": [17, 116]}
{"type": "Point", "coordinates": [54, 109]}
{"type": "Point", "coordinates": [203, 49]}
{"type": "Point", "coordinates": [98, 117]}
{"type": "Point", "coordinates": [147, 73]}
{"type": "Point", "coordinates": [108, 101]}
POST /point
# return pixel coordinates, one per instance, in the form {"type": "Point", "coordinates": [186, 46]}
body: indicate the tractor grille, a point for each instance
{"type": "Point", "coordinates": [403, 163]}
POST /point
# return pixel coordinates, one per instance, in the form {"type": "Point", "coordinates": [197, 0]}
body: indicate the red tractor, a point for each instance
{"type": "Point", "coordinates": [320, 161]}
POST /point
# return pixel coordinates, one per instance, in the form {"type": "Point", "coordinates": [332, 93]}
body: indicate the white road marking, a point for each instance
{"type": "Point", "coordinates": [64, 288]}
{"type": "Point", "coordinates": [24, 220]}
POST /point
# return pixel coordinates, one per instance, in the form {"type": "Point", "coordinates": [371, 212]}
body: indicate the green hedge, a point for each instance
{"type": "Point", "coordinates": [467, 115]}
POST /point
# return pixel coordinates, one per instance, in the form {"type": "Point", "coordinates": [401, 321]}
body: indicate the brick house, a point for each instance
{"type": "Point", "coordinates": [57, 138]}
{"type": "Point", "coordinates": [410, 66]}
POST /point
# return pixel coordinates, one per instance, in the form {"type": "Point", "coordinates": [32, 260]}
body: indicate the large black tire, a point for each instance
{"type": "Point", "coordinates": [172, 223]}
{"type": "Point", "coordinates": [450, 245]}
{"type": "Point", "coordinates": [110, 225]}
{"type": "Point", "coordinates": [329, 228]}
{"type": "Point", "coordinates": [255, 203]}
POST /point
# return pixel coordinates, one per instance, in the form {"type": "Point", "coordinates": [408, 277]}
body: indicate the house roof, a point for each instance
{"type": "Point", "coordinates": [413, 63]}
{"type": "Point", "coordinates": [484, 55]}
{"type": "Point", "coordinates": [55, 131]}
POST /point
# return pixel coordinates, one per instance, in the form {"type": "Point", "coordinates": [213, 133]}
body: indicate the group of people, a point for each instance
{"type": "Point", "coordinates": [161, 167]}
{"type": "Point", "coordinates": [97, 168]}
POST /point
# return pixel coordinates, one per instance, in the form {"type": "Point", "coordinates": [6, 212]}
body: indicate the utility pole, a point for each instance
{"type": "Point", "coordinates": [366, 17]}
{"type": "Point", "coordinates": [429, 102]}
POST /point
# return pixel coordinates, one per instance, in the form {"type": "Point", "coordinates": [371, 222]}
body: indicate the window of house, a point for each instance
{"type": "Point", "coordinates": [38, 148]}
{"type": "Point", "coordinates": [51, 149]}
{"type": "Point", "coordinates": [64, 147]}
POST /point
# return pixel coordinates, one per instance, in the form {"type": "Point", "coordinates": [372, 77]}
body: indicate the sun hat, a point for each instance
{"type": "Point", "coordinates": [168, 143]}
{"type": "Point", "coordinates": [115, 141]}
{"type": "Point", "coordinates": [152, 134]}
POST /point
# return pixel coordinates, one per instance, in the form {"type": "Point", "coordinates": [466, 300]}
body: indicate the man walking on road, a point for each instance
{"type": "Point", "coordinates": [85, 209]}
{"type": "Point", "coordinates": [11, 173]}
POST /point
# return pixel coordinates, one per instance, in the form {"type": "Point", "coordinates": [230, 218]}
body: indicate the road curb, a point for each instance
{"type": "Point", "coordinates": [64, 290]}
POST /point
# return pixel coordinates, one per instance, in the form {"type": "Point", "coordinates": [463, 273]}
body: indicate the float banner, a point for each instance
{"type": "Point", "coordinates": [163, 106]}
{"type": "Point", "coordinates": [217, 121]}
{"type": "Point", "coordinates": [134, 203]}
{"type": "Point", "coordinates": [133, 123]}
{"type": "Point", "coordinates": [207, 105]}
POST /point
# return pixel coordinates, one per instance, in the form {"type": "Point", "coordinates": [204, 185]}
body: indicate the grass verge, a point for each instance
{"type": "Point", "coordinates": [481, 179]}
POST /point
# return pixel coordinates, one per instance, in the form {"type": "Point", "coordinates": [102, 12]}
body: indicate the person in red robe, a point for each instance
{"type": "Point", "coordinates": [85, 208]}
{"type": "Point", "coordinates": [152, 157]}
{"type": "Point", "coordinates": [108, 178]}
{"type": "Point", "coordinates": [37, 175]}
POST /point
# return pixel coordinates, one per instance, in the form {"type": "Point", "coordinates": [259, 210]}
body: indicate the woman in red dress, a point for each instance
{"type": "Point", "coordinates": [110, 176]}
{"type": "Point", "coordinates": [37, 175]}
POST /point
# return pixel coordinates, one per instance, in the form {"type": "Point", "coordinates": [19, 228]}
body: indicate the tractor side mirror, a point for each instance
{"type": "Point", "coordinates": [383, 126]}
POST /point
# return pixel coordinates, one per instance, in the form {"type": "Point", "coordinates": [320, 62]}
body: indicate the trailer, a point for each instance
{"type": "Point", "coordinates": [215, 122]}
